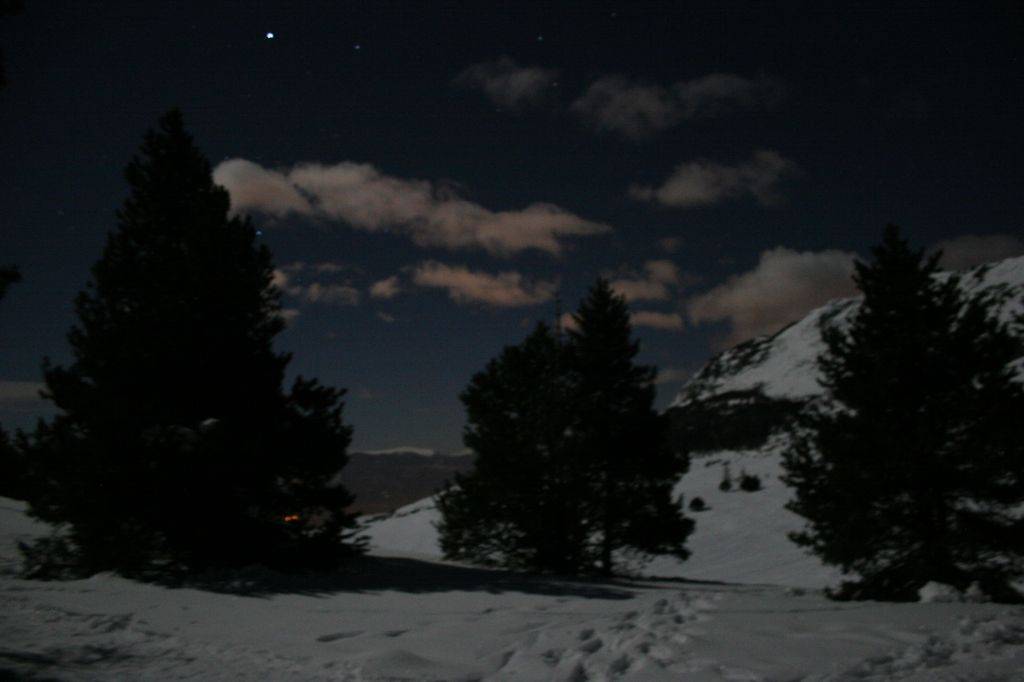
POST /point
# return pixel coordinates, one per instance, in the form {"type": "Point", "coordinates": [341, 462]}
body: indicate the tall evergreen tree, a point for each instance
{"type": "Point", "coordinates": [572, 461]}
{"type": "Point", "coordinates": [11, 469]}
{"type": "Point", "coordinates": [175, 441]}
{"type": "Point", "coordinates": [7, 8]}
{"type": "Point", "coordinates": [519, 506]}
{"type": "Point", "coordinates": [914, 472]}
{"type": "Point", "coordinates": [8, 276]}
{"type": "Point", "coordinates": [631, 468]}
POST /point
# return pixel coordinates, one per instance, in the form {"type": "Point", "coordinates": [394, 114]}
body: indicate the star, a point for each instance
{"type": "Point", "coordinates": [540, 39]}
{"type": "Point", "coordinates": [270, 35]}
{"type": "Point", "coordinates": [357, 46]}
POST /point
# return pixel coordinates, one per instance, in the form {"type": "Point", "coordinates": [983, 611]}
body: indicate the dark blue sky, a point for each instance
{"type": "Point", "coordinates": [768, 143]}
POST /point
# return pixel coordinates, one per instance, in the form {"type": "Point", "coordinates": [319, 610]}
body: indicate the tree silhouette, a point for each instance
{"type": "Point", "coordinates": [11, 467]}
{"type": "Point", "coordinates": [8, 276]}
{"type": "Point", "coordinates": [519, 506]}
{"type": "Point", "coordinates": [7, 8]}
{"type": "Point", "coordinates": [630, 465]}
{"type": "Point", "coordinates": [572, 462]}
{"type": "Point", "coordinates": [175, 443]}
{"type": "Point", "coordinates": [915, 471]}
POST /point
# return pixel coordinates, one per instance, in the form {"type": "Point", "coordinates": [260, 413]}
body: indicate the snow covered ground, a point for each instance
{"type": "Point", "coordinates": [400, 618]}
{"type": "Point", "coordinates": [741, 538]}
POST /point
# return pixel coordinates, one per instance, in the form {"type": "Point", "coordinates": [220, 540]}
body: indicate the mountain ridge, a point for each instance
{"type": "Point", "coordinates": [748, 392]}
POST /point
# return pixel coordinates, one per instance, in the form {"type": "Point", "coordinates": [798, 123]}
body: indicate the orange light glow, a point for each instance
{"type": "Point", "coordinates": [291, 517]}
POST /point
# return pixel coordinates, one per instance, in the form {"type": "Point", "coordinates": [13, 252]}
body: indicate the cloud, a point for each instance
{"type": "Point", "coordinates": [20, 391]}
{"type": "Point", "coordinates": [783, 287]}
{"type": "Point", "coordinates": [613, 103]}
{"type": "Point", "coordinates": [656, 284]}
{"type": "Point", "coordinates": [971, 249]}
{"type": "Point", "coordinates": [430, 215]}
{"type": "Point", "coordinates": [568, 322]}
{"type": "Point", "coordinates": [664, 271]}
{"type": "Point", "coordinates": [255, 188]}
{"type": "Point", "coordinates": [705, 182]}
{"type": "Point", "coordinates": [702, 182]}
{"type": "Point", "coordinates": [315, 292]}
{"type": "Point", "coordinates": [331, 293]}
{"type": "Point", "coordinates": [330, 268]}
{"type": "Point", "coordinates": [639, 318]}
{"type": "Point", "coordinates": [638, 110]}
{"type": "Point", "coordinates": [290, 315]}
{"type": "Point", "coordinates": [504, 290]}
{"type": "Point", "coordinates": [506, 83]}
{"type": "Point", "coordinates": [384, 317]}
{"type": "Point", "coordinates": [670, 375]}
{"type": "Point", "coordinates": [656, 320]}
{"type": "Point", "coordinates": [386, 288]}
{"type": "Point", "coordinates": [721, 93]}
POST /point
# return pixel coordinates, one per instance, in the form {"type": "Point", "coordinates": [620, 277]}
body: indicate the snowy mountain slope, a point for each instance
{"type": "Point", "coordinates": [399, 619]}
{"type": "Point", "coordinates": [783, 365]}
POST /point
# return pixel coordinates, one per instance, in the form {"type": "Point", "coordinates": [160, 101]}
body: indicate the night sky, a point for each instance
{"type": "Point", "coordinates": [432, 176]}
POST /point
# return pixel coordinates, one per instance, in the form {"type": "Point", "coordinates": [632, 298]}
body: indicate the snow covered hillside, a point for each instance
{"type": "Point", "coordinates": [740, 538]}
{"type": "Point", "coordinates": [734, 404]}
{"type": "Point", "coordinates": [397, 618]}
{"type": "Point", "coordinates": [783, 365]}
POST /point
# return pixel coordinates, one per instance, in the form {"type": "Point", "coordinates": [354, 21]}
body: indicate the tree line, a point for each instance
{"type": "Point", "coordinates": [177, 446]}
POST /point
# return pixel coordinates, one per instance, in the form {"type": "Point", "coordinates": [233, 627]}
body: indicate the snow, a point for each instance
{"type": "Point", "coordinates": [425, 452]}
{"type": "Point", "coordinates": [397, 618]}
{"type": "Point", "coordinates": [741, 538]}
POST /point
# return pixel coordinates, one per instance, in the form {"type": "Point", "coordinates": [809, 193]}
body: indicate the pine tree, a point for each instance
{"type": "Point", "coordinates": [518, 507]}
{"type": "Point", "coordinates": [8, 276]}
{"type": "Point", "coordinates": [175, 442]}
{"type": "Point", "coordinates": [914, 471]}
{"type": "Point", "coordinates": [623, 442]}
{"type": "Point", "coordinates": [7, 8]}
{"type": "Point", "coordinates": [572, 461]}
{"type": "Point", "coordinates": [11, 468]}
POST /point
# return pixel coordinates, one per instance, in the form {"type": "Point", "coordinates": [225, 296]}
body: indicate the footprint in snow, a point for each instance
{"type": "Point", "coordinates": [620, 665]}
{"type": "Point", "coordinates": [335, 636]}
{"type": "Point", "coordinates": [552, 657]}
{"type": "Point", "coordinates": [578, 674]}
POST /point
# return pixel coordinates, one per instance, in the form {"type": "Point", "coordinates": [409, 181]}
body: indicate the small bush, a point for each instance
{"type": "Point", "coordinates": [698, 504]}
{"type": "Point", "coordinates": [749, 482]}
{"type": "Point", "coordinates": [726, 484]}
{"type": "Point", "coordinates": [50, 558]}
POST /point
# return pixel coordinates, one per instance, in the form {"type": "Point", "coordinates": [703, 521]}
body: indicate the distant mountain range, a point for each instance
{"type": "Point", "coordinates": [384, 480]}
